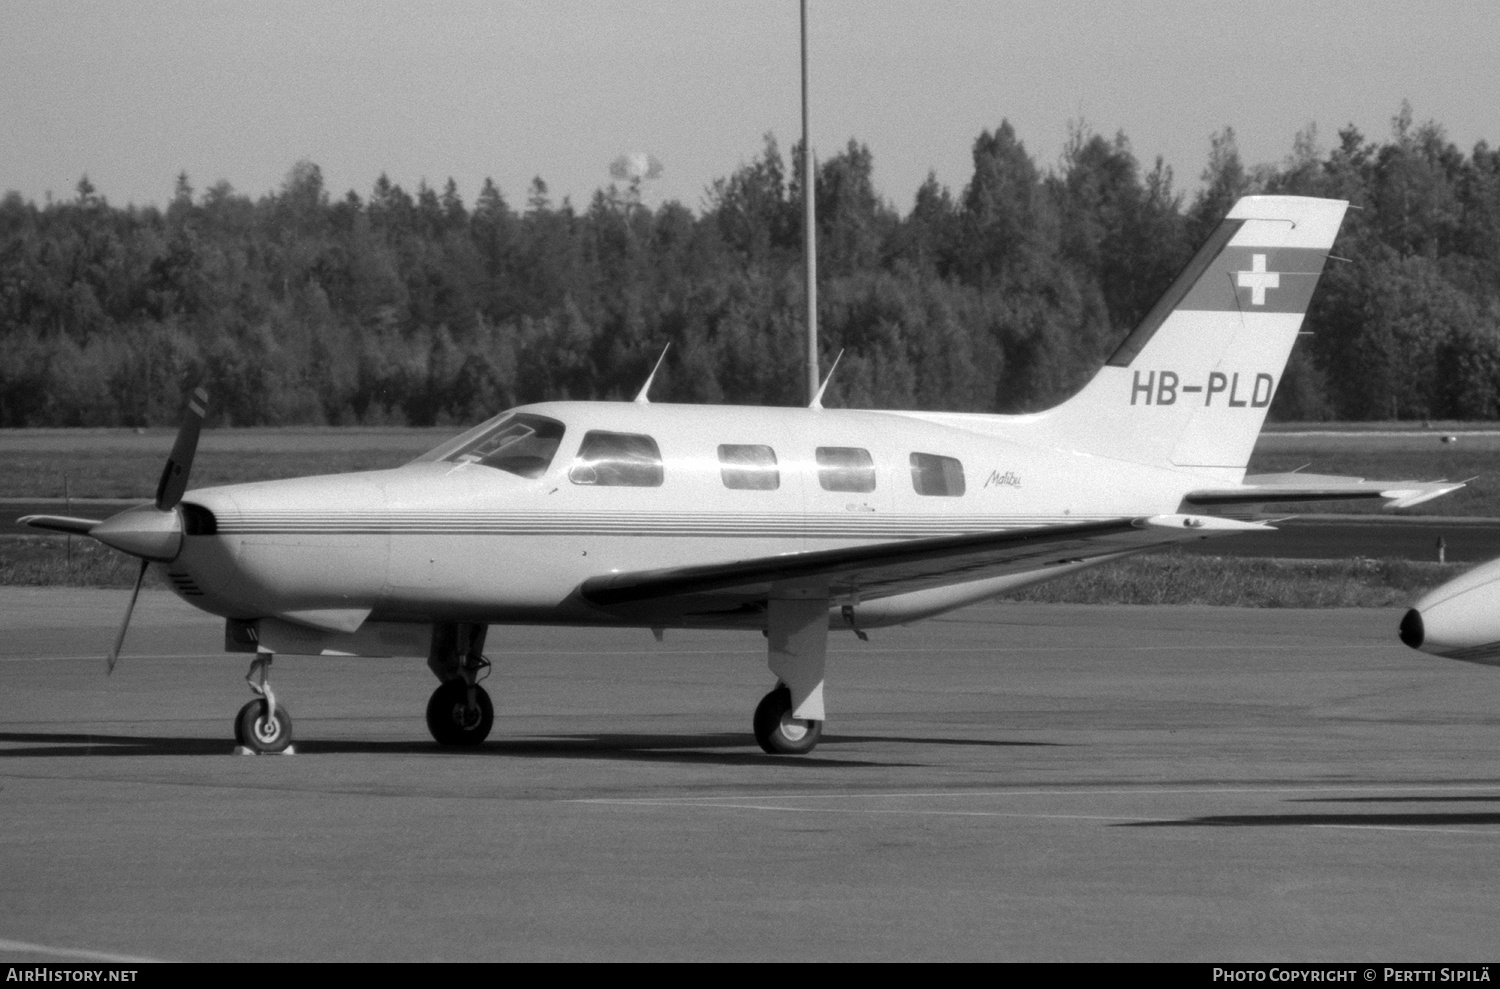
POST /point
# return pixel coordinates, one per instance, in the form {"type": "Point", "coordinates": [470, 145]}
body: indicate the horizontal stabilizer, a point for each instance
{"type": "Point", "coordinates": [882, 569]}
{"type": "Point", "coordinates": [1260, 489]}
{"type": "Point", "coordinates": [59, 523]}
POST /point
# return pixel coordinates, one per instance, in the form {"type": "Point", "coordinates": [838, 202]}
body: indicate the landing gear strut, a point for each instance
{"type": "Point", "coordinates": [789, 720]}
{"type": "Point", "coordinates": [263, 726]}
{"type": "Point", "coordinates": [460, 711]}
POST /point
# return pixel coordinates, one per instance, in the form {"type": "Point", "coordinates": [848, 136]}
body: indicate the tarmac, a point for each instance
{"type": "Point", "coordinates": [1010, 782]}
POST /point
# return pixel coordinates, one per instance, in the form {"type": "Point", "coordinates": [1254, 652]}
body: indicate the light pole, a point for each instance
{"type": "Point", "coordinates": [809, 231]}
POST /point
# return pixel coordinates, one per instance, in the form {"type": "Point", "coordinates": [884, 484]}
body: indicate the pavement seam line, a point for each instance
{"type": "Point", "coordinates": [924, 813]}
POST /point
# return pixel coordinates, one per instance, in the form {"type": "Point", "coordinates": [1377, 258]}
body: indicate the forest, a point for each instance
{"type": "Point", "coordinates": [306, 307]}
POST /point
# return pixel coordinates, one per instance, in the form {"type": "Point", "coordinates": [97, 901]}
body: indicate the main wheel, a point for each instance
{"type": "Point", "coordinates": [777, 731]}
{"type": "Point", "coordinates": [255, 731]}
{"type": "Point", "coordinates": [453, 720]}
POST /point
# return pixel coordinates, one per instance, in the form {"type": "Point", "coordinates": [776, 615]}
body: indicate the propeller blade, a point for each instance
{"type": "Point", "coordinates": [114, 654]}
{"type": "Point", "coordinates": [174, 476]}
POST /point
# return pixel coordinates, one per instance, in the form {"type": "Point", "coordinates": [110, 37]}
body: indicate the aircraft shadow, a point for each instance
{"type": "Point", "coordinates": [908, 740]}
{"type": "Point", "coordinates": [687, 749]}
{"type": "Point", "coordinates": [1467, 799]}
{"type": "Point", "coordinates": [76, 744]}
{"type": "Point", "coordinates": [1325, 820]}
{"type": "Point", "coordinates": [706, 749]}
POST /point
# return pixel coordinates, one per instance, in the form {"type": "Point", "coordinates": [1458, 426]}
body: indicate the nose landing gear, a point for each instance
{"type": "Point", "coordinates": [262, 726]}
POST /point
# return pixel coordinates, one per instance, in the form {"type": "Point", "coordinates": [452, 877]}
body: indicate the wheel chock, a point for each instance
{"type": "Point", "coordinates": [246, 750]}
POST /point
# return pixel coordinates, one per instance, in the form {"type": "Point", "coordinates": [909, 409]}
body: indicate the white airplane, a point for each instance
{"type": "Point", "coordinates": [791, 522]}
{"type": "Point", "coordinates": [1460, 619]}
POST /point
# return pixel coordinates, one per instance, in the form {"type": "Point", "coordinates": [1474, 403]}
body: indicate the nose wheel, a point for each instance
{"type": "Point", "coordinates": [778, 732]}
{"type": "Point", "coordinates": [460, 714]}
{"type": "Point", "coordinates": [260, 729]}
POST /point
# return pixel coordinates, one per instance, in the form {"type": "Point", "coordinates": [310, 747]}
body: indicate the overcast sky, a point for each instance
{"type": "Point", "coordinates": [133, 92]}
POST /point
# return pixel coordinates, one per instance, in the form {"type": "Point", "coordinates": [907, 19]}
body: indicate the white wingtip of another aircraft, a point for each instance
{"type": "Point", "coordinates": [1459, 619]}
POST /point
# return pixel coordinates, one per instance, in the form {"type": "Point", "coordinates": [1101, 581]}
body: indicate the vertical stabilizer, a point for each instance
{"type": "Point", "coordinates": [1191, 384]}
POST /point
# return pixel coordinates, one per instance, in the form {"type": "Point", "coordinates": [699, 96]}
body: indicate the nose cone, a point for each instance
{"type": "Point", "coordinates": [1411, 629]}
{"type": "Point", "coordinates": [1460, 619]}
{"type": "Point", "coordinates": [145, 532]}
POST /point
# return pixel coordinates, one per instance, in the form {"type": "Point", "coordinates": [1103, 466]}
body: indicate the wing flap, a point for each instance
{"type": "Point", "coordinates": [876, 570]}
{"type": "Point", "coordinates": [1260, 489]}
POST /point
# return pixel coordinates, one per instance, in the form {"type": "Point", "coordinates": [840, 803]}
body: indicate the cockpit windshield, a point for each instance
{"type": "Point", "coordinates": [518, 442]}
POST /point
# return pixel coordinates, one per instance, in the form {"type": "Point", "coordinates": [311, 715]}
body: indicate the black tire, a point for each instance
{"type": "Point", "coordinates": [777, 732]}
{"type": "Point", "coordinates": [452, 721]}
{"type": "Point", "coordinates": [253, 731]}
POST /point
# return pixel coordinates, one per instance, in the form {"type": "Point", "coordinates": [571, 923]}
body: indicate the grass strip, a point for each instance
{"type": "Point", "coordinates": [1164, 578]}
{"type": "Point", "coordinates": [47, 561]}
{"type": "Point", "coordinates": [1246, 582]}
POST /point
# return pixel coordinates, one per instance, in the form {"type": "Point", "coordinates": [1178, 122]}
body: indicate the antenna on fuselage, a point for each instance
{"type": "Point", "coordinates": [817, 402]}
{"type": "Point", "coordinates": [640, 398]}
{"type": "Point", "coordinates": [809, 236]}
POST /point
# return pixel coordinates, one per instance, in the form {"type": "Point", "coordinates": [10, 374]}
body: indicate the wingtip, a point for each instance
{"type": "Point", "coordinates": [1411, 497]}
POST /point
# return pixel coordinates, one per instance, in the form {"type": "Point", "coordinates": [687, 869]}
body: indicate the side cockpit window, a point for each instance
{"type": "Point", "coordinates": [617, 460]}
{"type": "Point", "coordinates": [749, 467]}
{"type": "Point", "coordinates": [520, 443]}
{"type": "Point", "coordinates": [936, 476]}
{"type": "Point", "coordinates": [845, 468]}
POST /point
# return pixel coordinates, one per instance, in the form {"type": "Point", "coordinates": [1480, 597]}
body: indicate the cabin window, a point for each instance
{"type": "Point", "coordinates": [520, 443]}
{"type": "Point", "coordinates": [941, 477]}
{"type": "Point", "coordinates": [627, 460]}
{"type": "Point", "coordinates": [845, 468]}
{"type": "Point", "coordinates": [748, 467]}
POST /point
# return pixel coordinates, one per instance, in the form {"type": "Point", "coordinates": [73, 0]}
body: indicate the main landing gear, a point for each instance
{"type": "Point", "coordinates": [460, 711]}
{"type": "Point", "coordinates": [789, 720]}
{"type": "Point", "coordinates": [263, 726]}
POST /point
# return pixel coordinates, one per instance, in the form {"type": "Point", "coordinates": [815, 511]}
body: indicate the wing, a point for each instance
{"type": "Point", "coordinates": [882, 569]}
{"type": "Point", "coordinates": [1259, 489]}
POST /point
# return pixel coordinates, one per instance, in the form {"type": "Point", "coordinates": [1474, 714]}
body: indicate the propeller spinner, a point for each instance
{"type": "Point", "coordinates": [152, 533]}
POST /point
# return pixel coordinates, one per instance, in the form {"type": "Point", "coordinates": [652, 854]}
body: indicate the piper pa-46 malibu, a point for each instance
{"type": "Point", "coordinates": [791, 522]}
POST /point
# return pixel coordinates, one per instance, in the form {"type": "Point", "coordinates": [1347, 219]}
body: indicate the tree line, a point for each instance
{"type": "Point", "coordinates": [400, 308]}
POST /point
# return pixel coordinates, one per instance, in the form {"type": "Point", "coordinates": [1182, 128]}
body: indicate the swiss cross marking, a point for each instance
{"type": "Point", "coordinates": [1258, 279]}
